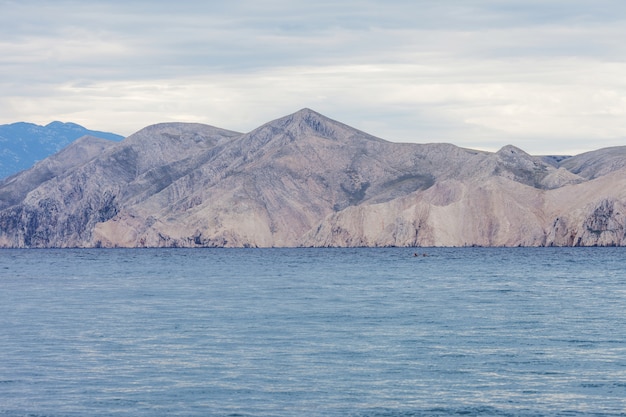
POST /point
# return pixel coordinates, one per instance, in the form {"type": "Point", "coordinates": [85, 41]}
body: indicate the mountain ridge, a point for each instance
{"type": "Point", "coordinates": [307, 180]}
{"type": "Point", "coordinates": [22, 144]}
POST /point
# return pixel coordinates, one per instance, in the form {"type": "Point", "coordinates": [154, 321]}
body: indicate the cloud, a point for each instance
{"type": "Point", "coordinates": [545, 76]}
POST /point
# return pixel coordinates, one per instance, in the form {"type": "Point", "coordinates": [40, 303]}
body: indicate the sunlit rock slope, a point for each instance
{"type": "Point", "coordinates": [306, 180]}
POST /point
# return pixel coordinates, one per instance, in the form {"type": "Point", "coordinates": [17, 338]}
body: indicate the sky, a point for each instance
{"type": "Point", "coordinates": [548, 76]}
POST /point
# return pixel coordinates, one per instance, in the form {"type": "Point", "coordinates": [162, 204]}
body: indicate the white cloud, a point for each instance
{"type": "Point", "coordinates": [545, 76]}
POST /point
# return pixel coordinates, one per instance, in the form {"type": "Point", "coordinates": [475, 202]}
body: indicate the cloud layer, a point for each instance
{"type": "Point", "coordinates": [546, 76]}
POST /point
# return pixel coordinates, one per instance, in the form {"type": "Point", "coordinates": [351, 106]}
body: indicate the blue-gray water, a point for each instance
{"type": "Point", "coordinates": [313, 332]}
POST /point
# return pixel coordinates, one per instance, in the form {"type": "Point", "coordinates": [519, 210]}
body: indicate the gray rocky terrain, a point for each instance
{"type": "Point", "coordinates": [306, 180]}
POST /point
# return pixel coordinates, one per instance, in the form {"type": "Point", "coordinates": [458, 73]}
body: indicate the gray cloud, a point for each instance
{"type": "Point", "coordinates": [544, 75]}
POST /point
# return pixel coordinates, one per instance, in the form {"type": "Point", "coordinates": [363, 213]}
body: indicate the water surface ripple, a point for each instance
{"type": "Point", "coordinates": [313, 332]}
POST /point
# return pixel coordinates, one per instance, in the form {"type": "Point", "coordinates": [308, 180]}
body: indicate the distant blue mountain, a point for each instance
{"type": "Point", "coordinates": [23, 144]}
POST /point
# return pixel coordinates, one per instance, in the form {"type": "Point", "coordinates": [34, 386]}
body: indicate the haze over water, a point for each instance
{"type": "Point", "coordinates": [313, 332]}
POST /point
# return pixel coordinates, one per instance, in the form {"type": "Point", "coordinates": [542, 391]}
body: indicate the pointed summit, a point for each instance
{"type": "Point", "coordinates": [307, 111]}
{"type": "Point", "coordinates": [300, 126]}
{"type": "Point", "coordinates": [307, 122]}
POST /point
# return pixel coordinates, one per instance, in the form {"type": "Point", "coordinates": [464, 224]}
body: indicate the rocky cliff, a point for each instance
{"type": "Point", "coordinates": [306, 180]}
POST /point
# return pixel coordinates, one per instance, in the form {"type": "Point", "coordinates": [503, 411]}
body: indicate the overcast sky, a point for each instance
{"type": "Point", "coordinates": [548, 76]}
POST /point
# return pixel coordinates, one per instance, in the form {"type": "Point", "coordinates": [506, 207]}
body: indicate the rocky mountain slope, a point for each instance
{"type": "Point", "coordinates": [23, 144]}
{"type": "Point", "coordinates": [306, 180]}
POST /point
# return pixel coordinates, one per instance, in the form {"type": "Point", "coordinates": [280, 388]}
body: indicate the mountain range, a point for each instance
{"type": "Point", "coordinates": [307, 180]}
{"type": "Point", "coordinates": [22, 144]}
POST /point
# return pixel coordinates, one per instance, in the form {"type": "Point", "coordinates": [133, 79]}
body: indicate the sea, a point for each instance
{"type": "Point", "coordinates": [368, 332]}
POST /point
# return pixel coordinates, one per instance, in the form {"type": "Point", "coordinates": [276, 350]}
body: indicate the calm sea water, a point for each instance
{"type": "Point", "coordinates": [313, 332]}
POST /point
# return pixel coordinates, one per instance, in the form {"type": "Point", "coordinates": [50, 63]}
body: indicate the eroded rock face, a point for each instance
{"type": "Point", "coordinates": [598, 224]}
{"type": "Point", "coordinates": [306, 180]}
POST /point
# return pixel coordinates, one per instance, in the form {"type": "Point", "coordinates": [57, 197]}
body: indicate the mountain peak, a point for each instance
{"type": "Point", "coordinates": [511, 150]}
{"type": "Point", "coordinates": [307, 122]}
{"type": "Point", "coordinates": [306, 111]}
{"type": "Point", "coordinates": [307, 119]}
{"type": "Point", "coordinates": [304, 115]}
{"type": "Point", "coordinates": [57, 124]}
{"type": "Point", "coordinates": [26, 143]}
{"type": "Point", "coordinates": [306, 180]}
